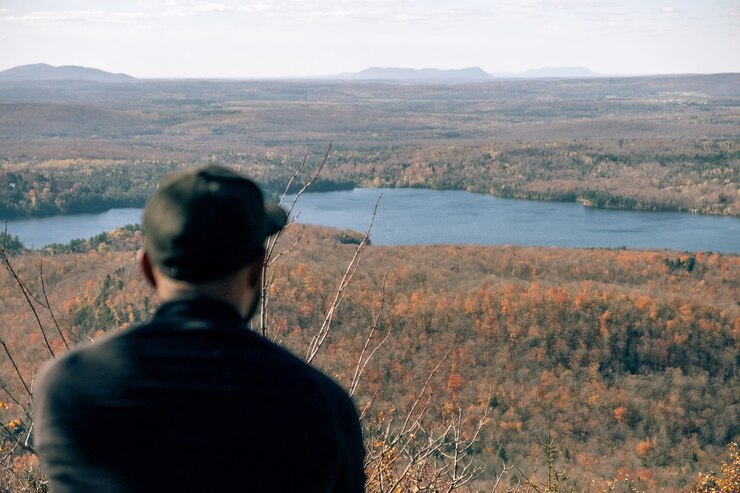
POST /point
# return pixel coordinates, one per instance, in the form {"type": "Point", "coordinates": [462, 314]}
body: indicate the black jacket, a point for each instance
{"type": "Point", "coordinates": [194, 402]}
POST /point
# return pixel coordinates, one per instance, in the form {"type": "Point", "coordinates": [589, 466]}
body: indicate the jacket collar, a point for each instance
{"type": "Point", "coordinates": [199, 308]}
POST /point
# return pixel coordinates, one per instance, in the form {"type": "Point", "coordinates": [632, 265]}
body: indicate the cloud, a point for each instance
{"type": "Point", "coordinates": [556, 5]}
{"type": "Point", "coordinates": [290, 11]}
{"type": "Point", "coordinates": [45, 16]}
{"type": "Point", "coordinates": [284, 11]}
{"type": "Point", "coordinates": [410, 17]}
{"type": "Point", "coordinates": [293, 11]}
{"type": "Point", "coordinates": [582, 15]}
{"type": "Point", "coordinates": [146, 11]}
{"type": "Point", "coordinates": [210, 7]}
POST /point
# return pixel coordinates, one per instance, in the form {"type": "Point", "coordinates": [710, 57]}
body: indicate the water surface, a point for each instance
{"type": "Point", "coordinates": [420, 216]}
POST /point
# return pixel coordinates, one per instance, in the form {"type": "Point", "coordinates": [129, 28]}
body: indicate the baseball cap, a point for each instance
{"type": "Point", "coordinates": [203, 223]}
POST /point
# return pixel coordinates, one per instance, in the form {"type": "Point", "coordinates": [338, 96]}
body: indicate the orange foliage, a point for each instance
{"type": "Point", "coordinates": [455, 382]}
{"type": "Point", "coordinates": [620, 414]}
{"type": "Point", "coordinates": [643, 448]}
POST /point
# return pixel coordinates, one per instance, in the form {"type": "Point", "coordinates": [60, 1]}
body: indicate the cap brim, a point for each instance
{"type": "Point", "coordinates": [276, 217]}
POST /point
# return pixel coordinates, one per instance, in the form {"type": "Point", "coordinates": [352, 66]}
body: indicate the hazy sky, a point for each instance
{"type": "Point", "coordinates": [254, 38]}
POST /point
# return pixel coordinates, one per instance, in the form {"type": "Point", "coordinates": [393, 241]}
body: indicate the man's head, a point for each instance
{"type": "Point", "coordinates": [205, 224]}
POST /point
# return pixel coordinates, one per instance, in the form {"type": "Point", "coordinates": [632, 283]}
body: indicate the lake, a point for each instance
{"type": "Point", "coordinates": [420, 216]}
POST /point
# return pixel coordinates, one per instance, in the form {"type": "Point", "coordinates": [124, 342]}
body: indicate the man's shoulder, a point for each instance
{"type": "Point", "coordinates": [83, 355]}
{"type": "Point", "coordinates": [121, 347]}
{"type": "Point", "coordinates": [70, 368]}
{"type": "Point", "coordinates": [330, 387]}
{"type": "Point", "coordinates": [141, 352]}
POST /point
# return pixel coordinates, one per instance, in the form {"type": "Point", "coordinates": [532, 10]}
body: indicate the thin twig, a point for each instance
{"type": "Point", "coordinates": [17, 370]}
{"type": "Point", "coordinates": [369, 403]}
{"type": "Point", "coordinates": [26, 294]}
{"type": "Point", "coordinates": [361, 364]}
{"type": "Point", "coordinates": [14, 399]}
{"type": "Point", "coordinates": [318, 339]}
{"type": "Point", "coordinates": [272, 241]}
{"type": "Point", "coordinates": [429, 379]}
{"type": "Point", "coordinates": [10, 435]}
{"type": "Point", "coordinates": [504, 469]}
{"type": "Point", "coordinates": [47, 305]}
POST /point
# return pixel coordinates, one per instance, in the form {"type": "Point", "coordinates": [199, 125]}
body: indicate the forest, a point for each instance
{"type": "Point", "coordinates": [498, 368]}
{"type": "Point", "coordinates": [626, 360]}
{"type": "Point", "coordinates": [645, 143]}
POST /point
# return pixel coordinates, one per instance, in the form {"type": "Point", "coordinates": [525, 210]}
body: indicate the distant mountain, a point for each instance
{"type": "Point", "coordinates": [418, 75]}
{"type": "Point", "coordinates": [550, 73]}
{"type": "Point", "coordinates": [463, 74]}
{"type": "Point", "coordinates": [43, 71]}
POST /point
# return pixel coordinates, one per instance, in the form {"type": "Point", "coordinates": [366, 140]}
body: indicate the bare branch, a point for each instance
{"type": "Point", "coordinates": [411, 453]}
{"type": "Point", "coordinates": [362, 363]}
{"type": "Point", "coordinates": [272, 241]}
{"type": "Point", "coordinates": [273, 258]}
{"type": "Point", "coordinates": [296, 173]}
{"type": "Point", "coordinates": [27, 295]}
{"type": "Point", "coordinates": [369, 403]}
{"type": "Point", "coordinates": [428, 380]}
{"type": "Point", "coordinates": [15, 400]}
{"type": "Point", "coordinates": [47, 305]}
{"type": "Point", "coordinates": [504, 470]}
{"type": "Point", "coordinates": [10, 435]}
{"type": "Point", "coordinates": [461, 469]}
{"type": "Point", "coordinates": [7, 464]}
{"type": "Point", "coordinates": [17, 370]}
{"type": "Point", "coordinates": [310, 181]}
{"type": "Point", "coordinates": [318, 339]}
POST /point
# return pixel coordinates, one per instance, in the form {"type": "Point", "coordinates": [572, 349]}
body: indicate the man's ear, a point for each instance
{"type": "Point", "coordinates": [255, 270]}
{"type": "Point", "coordinates": [145, 265]}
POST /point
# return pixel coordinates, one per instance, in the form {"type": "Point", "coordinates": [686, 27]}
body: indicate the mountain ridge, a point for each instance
{"type": "Point", "coordinates": [46, 72]}
{"type": "Point", "coordinates": [404, 73]}
{"type": "Point", "coordinates": [463, 74]}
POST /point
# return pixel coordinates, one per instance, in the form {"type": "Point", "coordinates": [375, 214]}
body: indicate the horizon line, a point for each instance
{"type": "Point", "coordinates": [349, 74]}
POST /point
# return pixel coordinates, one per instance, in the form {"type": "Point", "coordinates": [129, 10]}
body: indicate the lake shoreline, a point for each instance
{"type": "Point", "coordinates": [585, 198]}
{"type": "Point", "coordinates": [411, 216]}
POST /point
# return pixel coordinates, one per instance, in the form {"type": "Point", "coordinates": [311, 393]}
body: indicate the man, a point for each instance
{"type": "Point", "coordinates": [193, 401]}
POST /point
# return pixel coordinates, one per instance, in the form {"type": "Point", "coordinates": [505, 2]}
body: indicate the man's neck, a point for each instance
{"type": "Point", "coordinates": [232, 290]}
